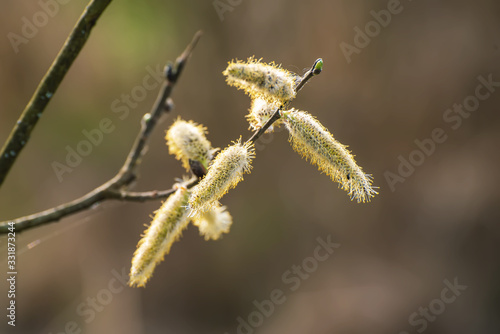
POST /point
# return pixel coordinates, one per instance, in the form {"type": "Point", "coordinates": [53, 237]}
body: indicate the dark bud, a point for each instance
{"type": "Point", "coordinates": [169, 72]}
{"type": "Point", "coordinates": [197, 168]}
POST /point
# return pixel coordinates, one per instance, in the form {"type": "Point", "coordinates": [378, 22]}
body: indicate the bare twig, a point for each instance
{"type": "Point", "coordinates": [116, 187]}
{"type": "Point", "coordinates": [21, 132]}
{"type": "Point", "coordinates": [160, 105]}
{"type": "Point", "coordinates": [148, 195]}
{"type": "Point", "coordinates": [314, 70]}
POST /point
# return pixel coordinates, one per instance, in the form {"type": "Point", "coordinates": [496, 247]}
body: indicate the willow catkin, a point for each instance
{"type": "Point", "coordinates": [224, 173]}
{"type": "Point", "coordinates": [213, 223]}
{"type": "Point", "coordinates": [315, 143]}
{"type": "Point", "coordinates": [167, 225]}
{"type": "Point", "coordinates": [187, 141]}
{"type": "Point", "coordinates": [260, 112]}
{"type": "Point", "coordinates": [258, 79]}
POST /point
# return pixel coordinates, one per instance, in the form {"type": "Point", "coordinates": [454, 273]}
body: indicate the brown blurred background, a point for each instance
{"type": "Point", "coordinates": [395, 253]}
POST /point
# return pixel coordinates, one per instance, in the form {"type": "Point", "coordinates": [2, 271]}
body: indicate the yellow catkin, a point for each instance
{"type": "Point", "coordinates": [213, 223]}
{"type": "Point", "coordinates": [258, 79]}
{"type": "Point", "coordinates": [314, 142]}
{"type": "Point", "coordinates": [166, 227]}
{"type": "Point", "coordinates": [187, 141]}
{"type": "Point", "coordinates": [223, 174]}
{"type": "Point", "coordinates": [260, 112]}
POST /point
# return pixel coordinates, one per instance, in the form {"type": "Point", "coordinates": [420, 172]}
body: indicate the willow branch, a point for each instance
{"type": "Point", "coordinates": [161, 104]}
{"type": "Point", "coordinates": [314, 70]}
{"type": "Point", "coordinates": [116, 187]}
{"type": "Point", "coordinates": [21, 132]}
{"type": "Point", "coordinates": [148, 195]}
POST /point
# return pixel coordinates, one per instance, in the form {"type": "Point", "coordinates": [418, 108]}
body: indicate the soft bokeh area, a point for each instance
{"type": "Point", "coordinates": [422, 257]}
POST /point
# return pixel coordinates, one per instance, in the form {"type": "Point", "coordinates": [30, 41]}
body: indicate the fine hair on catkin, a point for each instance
{"type": "Point", "coordinates": [224, 173]}
{"type": "Point", "coordinates": [315, 143]}
{"type": "Point", "coordinates": [187, 140]}
{"type": "Point", "coordinates": [258, 79]}
{"type": "Point", "coordinates": [260, 112]}
{"type": "Point", "coordinates": [167, 225]}
{"type": "Point", "coordinates": [214, 222]}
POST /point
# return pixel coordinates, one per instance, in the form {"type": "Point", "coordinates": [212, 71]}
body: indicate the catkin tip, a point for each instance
{"type": "Point", "coordinates": [213, 223]}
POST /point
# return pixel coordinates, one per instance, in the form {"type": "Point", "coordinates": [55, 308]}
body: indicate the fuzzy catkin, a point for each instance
{"type": "Point", "coordinates": [315, 143]}
{"type": "Point", "coordinates": [213, 223]}
{"type": "Point", "coordinates": [187, 141]}
{"type": "Point", "coordinates": [260, 112]}
{"type": "Point", "coordinates": [258, 79]}
{"type": "Point", "coordinates": [167, 225]}
{"type": "Point", "coordinates": [223, 174]}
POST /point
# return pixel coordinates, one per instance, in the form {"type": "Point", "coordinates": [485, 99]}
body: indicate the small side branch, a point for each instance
{"type": "Point", "coordinates": [131, 196]}
{"type": "Point", "coordinates": [116, 187]}
{"type": "Point", "coordinates": [21, 132]}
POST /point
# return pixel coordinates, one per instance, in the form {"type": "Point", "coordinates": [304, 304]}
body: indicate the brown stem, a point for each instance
{"type": "Point", "coordinates": [21, 132]}
{"type": "Point", "coordinates": [148, 195]}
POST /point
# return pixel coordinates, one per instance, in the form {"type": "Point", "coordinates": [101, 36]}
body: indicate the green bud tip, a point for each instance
{"type": "Point", "coordinates": [318, 66]}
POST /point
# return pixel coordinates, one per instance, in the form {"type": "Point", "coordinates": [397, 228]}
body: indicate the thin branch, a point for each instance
{"type": "Point", "coordinates": [21, 132]}
{"type": "Point", "coordinates": [161, 105]}
{"type": "Point", "coordinates": [148, 195]}
{"type": "Point", "coordinates": [114, 188]}
{"type": "Point", "coordinates": [314, 70]}
{"type": "Point", "coordinates": [141, 196]}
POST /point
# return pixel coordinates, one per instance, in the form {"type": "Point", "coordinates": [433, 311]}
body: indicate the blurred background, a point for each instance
{"type": "Point", "coordinates": [398, 254]}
